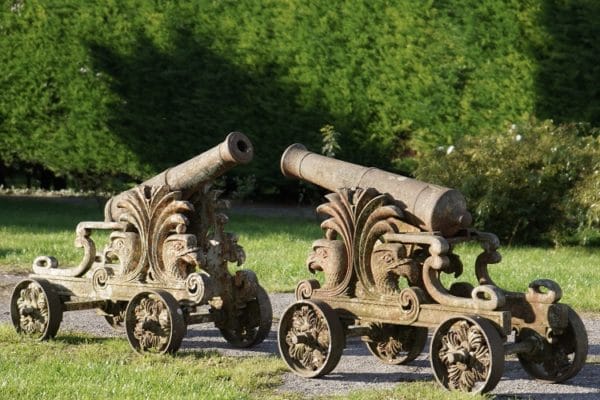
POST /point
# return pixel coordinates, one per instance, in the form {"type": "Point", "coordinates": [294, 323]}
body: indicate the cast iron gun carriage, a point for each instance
{"type": "Point", "coordinates": [388, 242]}
{"type": "Point", "coordinates": [165, 265]}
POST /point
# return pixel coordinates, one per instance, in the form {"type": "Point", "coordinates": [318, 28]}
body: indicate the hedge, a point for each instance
{"type": "Point", "coordinates": [124, 88]}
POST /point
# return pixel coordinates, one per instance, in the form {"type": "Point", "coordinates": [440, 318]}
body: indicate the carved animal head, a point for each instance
{"type": "Point", "coordinates": [180, 255]}
{"type": "Point", "coordinates": [124, 247]}
{"type": "Point", "coordinates": [388, 262]}
{"type": "Point", "coordinates": [388, 257]}
{"type": "Point", "coordinates": [327, 256]}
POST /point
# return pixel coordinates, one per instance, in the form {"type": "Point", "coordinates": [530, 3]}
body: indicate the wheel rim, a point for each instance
{"type": "Point", "coordinates": [467, 354]}
{"type": "Point", "coordinates": [310, 338]}
{"type": "Point", "coordinates": [36, 310]}
{"type": "Point", "coordinates": [154, 322]}
{"type": "Point", "coordinates": [396, 344]}
{"type": "Point", "coordinates": [558, 361]}
{"type": "Point", "coordinates": [254, 323]}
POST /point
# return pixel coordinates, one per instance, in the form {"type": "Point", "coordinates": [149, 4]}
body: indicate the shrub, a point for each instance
{"type": "Point", "coordinates": [535, 182]}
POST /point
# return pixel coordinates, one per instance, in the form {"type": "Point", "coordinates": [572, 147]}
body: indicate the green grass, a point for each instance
{"type": "Point", "coordinates": [79, 366]}
{"type": "Point", "coordinates": [83, 367]}
{"type": "Point", "coordinates": [276, 249]}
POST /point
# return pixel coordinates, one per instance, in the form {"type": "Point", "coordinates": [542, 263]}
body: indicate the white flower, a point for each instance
{"type": "Point", "coordinates": [83, 70]}
{"type": "Point", "coordinates": [518, 138]}
{"type": "Point", "coordinates": [450, 149]}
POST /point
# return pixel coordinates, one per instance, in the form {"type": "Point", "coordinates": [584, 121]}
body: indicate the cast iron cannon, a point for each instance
{"type": "Point", "coordinates": [388, 248]}
{"type": "Point", "coordinates": [164, 265]}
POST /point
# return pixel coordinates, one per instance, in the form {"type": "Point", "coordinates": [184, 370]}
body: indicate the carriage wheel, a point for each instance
{"type": "Point", "coordinates": [396, 344]}
{"type": "Point", "coordinates": [35, 309]}
{"type": "Point", "coordinates": [115, 314]}
{"type": "Point", "coordinates": [254, 322]}
{"type": "Point", "coordinates": [560, 360]}
{"type": "Point", "coordinates": [467, 354]}
{"type": "Point", "coordinates": [311, 338]}
{"type": "Point", "coordinates": [154, 322]}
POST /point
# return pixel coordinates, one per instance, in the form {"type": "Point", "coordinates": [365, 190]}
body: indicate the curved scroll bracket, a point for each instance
{"type": "Point", "coordinates": [483, 297]}
{"type": "Point", "coordinates": [46, 265]}
{"type": "Point", "coordinates": [535, 293]}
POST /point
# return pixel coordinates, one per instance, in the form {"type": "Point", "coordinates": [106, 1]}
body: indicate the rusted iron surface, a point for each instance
{"type": "Point", "coordinates": [428, 206]}
{"type": "Point", "coordinates": [388, 241]}
{"type": "Point", "coordinates": [167, 256]}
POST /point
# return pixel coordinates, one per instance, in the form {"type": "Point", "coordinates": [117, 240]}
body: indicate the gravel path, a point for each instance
{"type": "Point", "coordinates": [358, 369]}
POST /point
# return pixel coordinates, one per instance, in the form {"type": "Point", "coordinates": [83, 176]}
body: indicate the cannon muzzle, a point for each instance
{"type": "Point", "coordinates": [188, 176]}
{"type": "Point", "coordinates": [429, 207]}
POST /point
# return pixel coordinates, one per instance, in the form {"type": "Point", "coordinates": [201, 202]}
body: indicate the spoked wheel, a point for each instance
{"type": "Point", "coordinates": [35, 309]}
{"type": "Point", "coordinates": [115, 314]}
{"type": "Point", "coordinates": [311, 338]}
{"type": "Point", "coordinates": [254, 322]}
{"type": "Point", "coordinates": [560, 360]}
{"type": "Point", "coordinates": [154, 322]}
{"type": "Point", "coordinates": [467, 354]}
{"type": "Point", "coordinates": [396, 344]}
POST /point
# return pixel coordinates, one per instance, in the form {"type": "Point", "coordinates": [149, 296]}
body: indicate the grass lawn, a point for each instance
{"type": "Point", "coordinates": [80, 366]}
{"type": "Point", "coordinates": [84, 367]}
{"type": "Point", "coordinates": [276, 249]}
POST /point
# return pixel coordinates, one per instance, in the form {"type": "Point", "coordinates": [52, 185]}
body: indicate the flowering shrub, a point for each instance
{"type": "Point", "coordinates": [535, 182]}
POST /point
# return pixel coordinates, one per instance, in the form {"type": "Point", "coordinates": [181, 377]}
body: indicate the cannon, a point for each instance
{"type": "Point", "coordinates": [164, 265]}
{"type": "Point", "coordinates": [388, 252]}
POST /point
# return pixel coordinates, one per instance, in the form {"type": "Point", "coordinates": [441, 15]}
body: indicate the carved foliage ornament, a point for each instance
{"type": "Point", "coordinates": [357, 220]}
{"type": "Point", "coordinates": [158, 249]}
{"type": "Point", "coordinates": [466, 355]}
{"type": "Point", "coordinates": [153, 324]}
{"type": "Point", "coordinates": [33, 309]}
{"type": "Point", "coordinates": [308, 339]}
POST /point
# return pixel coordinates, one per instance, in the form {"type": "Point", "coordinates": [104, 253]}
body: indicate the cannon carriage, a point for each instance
{"type": "Point", "coordinates": [388, 242]}
{"type": "Point", "coordinates": [165, 265]}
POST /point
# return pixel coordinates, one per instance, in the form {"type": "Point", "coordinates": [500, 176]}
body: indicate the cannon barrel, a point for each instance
{"type": "Point", "coordinates": [189, 175]}
{"type": "Point", "coordinates": [429, 207]}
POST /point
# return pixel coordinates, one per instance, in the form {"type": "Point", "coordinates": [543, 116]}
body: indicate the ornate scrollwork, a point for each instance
{"type": "Point", "coordinates": [153, 325]}
{"type": "Point", "coordinates": [100, 279]}
{"type": "Point", "coordinates": [198, 287]}
{"type": "Point", "coordinates": [32, 305]}
{"type": "Point", "coordinates": [305, 289]}
{"type": "Point", "coordinates": [159, 250]}
{"type": "Point", "coordinates": [553, 292]}
{"type": "Point", "coordinates": [357, 220]}
{"type": "Point", "coordinates": [410, 303]}
{"type": "Point", "coordinates": [308, 339]}
{"type": "Point", "coordinates": [467, 355]}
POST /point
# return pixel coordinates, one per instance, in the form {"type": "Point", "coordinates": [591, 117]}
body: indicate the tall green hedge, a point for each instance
{"type": "Point", "coordinates": [129, 87]}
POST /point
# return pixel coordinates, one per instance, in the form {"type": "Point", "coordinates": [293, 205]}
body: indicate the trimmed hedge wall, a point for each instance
{"type": "Point", "coordinates": [125, 88]}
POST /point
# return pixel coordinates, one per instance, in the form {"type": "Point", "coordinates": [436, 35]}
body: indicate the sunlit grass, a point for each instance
{"type": "Point", "coordinates": [575, 269]}
{"type": "Point", "coordinates": [277, 247]}
{"type": "Point", "coordinates": [83, 367]}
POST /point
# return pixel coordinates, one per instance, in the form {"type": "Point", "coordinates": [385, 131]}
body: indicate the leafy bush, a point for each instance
{"type": "Point", "coordinates": [535, 182]}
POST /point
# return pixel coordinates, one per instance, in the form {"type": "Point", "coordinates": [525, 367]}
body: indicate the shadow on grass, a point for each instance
{"type": "Point", "coordinates": [81, 339]}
